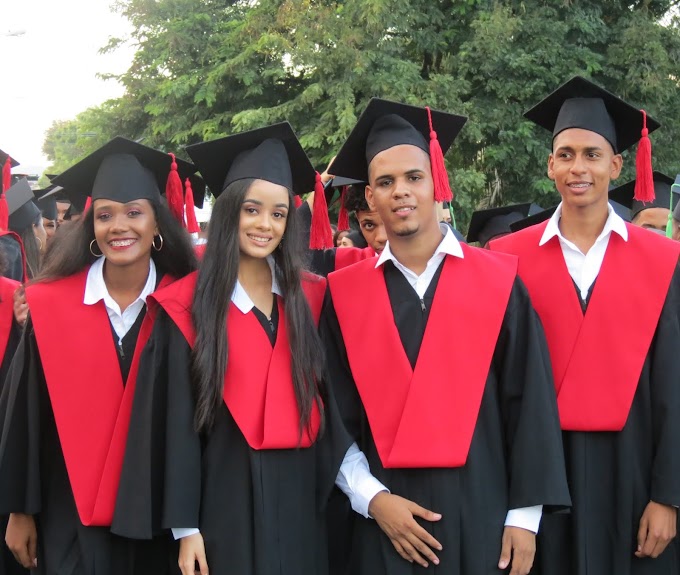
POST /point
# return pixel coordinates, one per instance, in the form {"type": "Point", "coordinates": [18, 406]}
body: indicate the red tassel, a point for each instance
{"type": "Point", "coordinates": [320, 235]}
{"type": "Point", "coordinates": [644, 181]}
{"type": "Point", "coordinates": [88, 203]}
{"type": "Point", "coordinates": [174, 193]}
{"type": "Point", "coordinates": [343, 216]}
{"type": "Point", "coordinates": [297, 201]}
{"type": "Point", "coordinates": [6, 184]}
{"type": "Point", "coordinates": [192, 223]}
{"type": "Point", "coordinates": [442, 188]}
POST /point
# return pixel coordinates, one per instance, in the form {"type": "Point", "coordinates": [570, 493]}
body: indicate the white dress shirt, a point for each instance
{"type": "Point", "coordinates": [242, 301]}
{"type": "Point", "coordinates": [584, 268]}
{"type": "Point", "coordinates": [354, 478]}
{"type": "Point", "coordinates": [95, 291]}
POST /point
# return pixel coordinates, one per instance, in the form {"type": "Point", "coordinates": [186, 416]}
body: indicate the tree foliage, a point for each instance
{"type": "Point", "coordinates": [207, 68]}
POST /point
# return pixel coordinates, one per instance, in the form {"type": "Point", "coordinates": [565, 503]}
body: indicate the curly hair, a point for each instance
{"type": "Point", "coordinates": [355, 199]}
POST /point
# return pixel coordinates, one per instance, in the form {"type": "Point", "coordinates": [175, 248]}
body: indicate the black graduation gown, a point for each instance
{"type": "Point", "coordinates": [15, 262]}
{"type": "Point", "coordinates": [517, 418]}
{"type": "Point", "coordinates": [260, 512]}
{"type": "Point", "coordinates": [610, 473]}
{"type": "Point", "coordinates": [34, 480]}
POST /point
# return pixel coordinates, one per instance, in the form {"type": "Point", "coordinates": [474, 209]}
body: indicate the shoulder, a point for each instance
{"type": "Point", "coordinates": [517, 242]}
{"type": "Point", "coordinates": [180, 291]}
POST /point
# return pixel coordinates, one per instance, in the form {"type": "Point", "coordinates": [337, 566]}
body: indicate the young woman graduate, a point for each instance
{"type": "Point", "coordinates": [64, 430]}
{"type": "Point", "coordinates": [236, 445]}
{"type": "Point", "coordinates": [25, 220]}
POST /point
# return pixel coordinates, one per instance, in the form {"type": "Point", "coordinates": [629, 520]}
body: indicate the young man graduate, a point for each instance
{"type": "Point", "coordinates": [616, 373]}
{"type": "Point", "coordinates": [470, 452]}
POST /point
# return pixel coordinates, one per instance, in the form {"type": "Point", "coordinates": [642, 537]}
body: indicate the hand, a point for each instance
{"type": "Point", "coordinates": [192, 549]}
{"type": "Point", "coordinates": [657, 529]}
{"type": "Point", "coordinates": [22, 539]}
{"type": "Point", "coordinates": [520, 545]}
{"type": "Point", "coordinates": [20, 306]}
{"type": "Point", "coordinates": [396, 517]}
{"type": "Point", "coordinates": [325, 176]}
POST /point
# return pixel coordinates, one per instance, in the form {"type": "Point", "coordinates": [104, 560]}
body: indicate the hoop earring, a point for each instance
{"type": "Point", "coordinates": [40, 244]}
{"type": "Point", "coordinates": [92, 252]}
{"type": "Point", "coordinates": [153, 243]}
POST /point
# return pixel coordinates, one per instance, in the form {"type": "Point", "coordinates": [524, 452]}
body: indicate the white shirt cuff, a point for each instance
{"type": "Point", "coordinates": [528, 518]}
{"type": "Point", "coordinates": [355, 480]}
{"type": "Point", "coordinates": [182, 532]}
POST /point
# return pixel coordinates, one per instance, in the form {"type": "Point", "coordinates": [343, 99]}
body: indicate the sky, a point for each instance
{"type": "Point", "coordinates": [50, 57]}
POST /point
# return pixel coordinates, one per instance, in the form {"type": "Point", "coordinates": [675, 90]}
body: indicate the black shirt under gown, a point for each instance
{"type": "Point", "coordinates": [260, 512]}
{"type": "Point", "coordinates": [515, 457]}
{"type": "Point", "coordinates": [34, 479]}
{"type": "Point", "coordinates": [613, 475]}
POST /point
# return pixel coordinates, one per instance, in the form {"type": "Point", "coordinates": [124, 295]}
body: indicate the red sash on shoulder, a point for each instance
{"type": "Point", "coordinates": [23, 252]}
{"type": "Point", "coordinates": [258, 384]}
{"type": "Point", "coordinates": [345, 257]}
{"type": "Point", "coordinates": [597, 358]}
{"type": "Point", "coordinates": [7, 289]}
{"type": "Point", "coordinates": [425, 417]}
{"type": "Point", "coordinates": [91, 407]}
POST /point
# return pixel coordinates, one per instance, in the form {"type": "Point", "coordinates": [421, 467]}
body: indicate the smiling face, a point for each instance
{"type": "Point", "coordinates": [264, 213]}
{"type": "Point", "coordinates": [401, 190]}
{"type": "Point", "coordinates": [124, 232]}
{"type": "Point", "coordinates": [582, 164]}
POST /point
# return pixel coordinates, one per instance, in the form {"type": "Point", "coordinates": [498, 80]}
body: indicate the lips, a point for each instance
{"type": "Point", "coordinates": [579, 186]}
{"type": "Point", "coordinates": [404, 209]}
{"type": "Point", "coordinates": [260, 239]}
{"type": "Point", "coordinates": [122, 243]}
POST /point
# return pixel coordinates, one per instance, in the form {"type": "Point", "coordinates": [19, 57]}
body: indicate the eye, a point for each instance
{"type": "Point", "coordinates": [593, 155]}
{"type": "Point", "coordinates": [414, 178]}
{"type": "Point", "coordinates": [368, 226]}
{"type": "Point", "coordinates": [279, 215]}
{"type": "Point", "coordinates": [102, 217]}
{"type": "Point", "coordinates": [134, 213]}
{"type": "Point", "coordinates": [250, 210]}
{"type": "Point", "coordinates": [385, 183]}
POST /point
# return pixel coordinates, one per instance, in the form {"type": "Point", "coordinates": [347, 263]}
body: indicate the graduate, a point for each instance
{"type": "Point", "coordinates": [25, 220]}
{"type": "Point", "coordinates": [470, 452]}
{"type": "Point", "coordinates": [237, 441]}
{"type": "Point", "coordinates": [491, 223]}
{"type": "Point", "coordinates": [66, 403]}
{"type": "Point", "coordinates": [608, 295]}
{"type": "Point", "coordinates": [47, 203]}
{"type": "Point", "coordinates": [9, 241]}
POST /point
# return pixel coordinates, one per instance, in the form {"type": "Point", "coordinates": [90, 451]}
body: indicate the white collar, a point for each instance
{"type": "Point", "coordinates": [448, 246]}
{"type": "Point", "coordinates": [614, 223]}
{"type": "Point", "coordinates": [95, 286]}
{"type": "Point", "coordinates": [242, 300]}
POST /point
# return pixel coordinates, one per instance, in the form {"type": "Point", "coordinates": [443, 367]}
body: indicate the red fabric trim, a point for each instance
{"type": "Point", "coordinates": [7, 289]}
{"type": "Point", "coordinates": [597, 358]}
{"type": "Point", "coordinates": [345, 257]}
{"type": "Point", "coordinates": [429, 415]}
{"type": "Point", "coordinates": [258, 384]}
{"type": "Point", "coordinates": [91, 407]}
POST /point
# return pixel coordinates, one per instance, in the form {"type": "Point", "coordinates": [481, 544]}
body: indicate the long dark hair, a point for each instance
{"type": "Point", "coordinates": [216, 281]}
{"type": "Point", "coordinates": [32, 248]}
{"type": "Point", "coordinates": [69, 251]}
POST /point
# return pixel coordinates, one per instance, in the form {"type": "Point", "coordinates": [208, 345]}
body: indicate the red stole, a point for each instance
{"type": "Point", "coordinates": [345, 257]}
{"type": "Point", "coordinates": [424, 417]}
{"type": "Point", "coordinates": [23, 252]}
{"type": "Point", "coordinates": [91, 407]}
{"type": "Point", "coordinates": [597, 358]}
{"type": "Point", "coordinates": [258, 384]}
{"type": "Point", "coordinates": [7, 289]}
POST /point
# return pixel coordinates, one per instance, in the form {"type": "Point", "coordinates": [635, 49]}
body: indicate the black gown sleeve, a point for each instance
{"type": "Point", "coordinates": [534, 451]}
{"type": "Point", "coordinates": [160, 486]}
{"type": "Point", "coordinates": [665, 398]}
{"type": "Point", "coordinates": [15, 263]}
{"type": "Point", "coordinates": [21, 406]}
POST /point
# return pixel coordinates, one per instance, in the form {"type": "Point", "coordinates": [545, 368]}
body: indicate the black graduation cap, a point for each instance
{"type": "Point", "coordinates": [47, 202]}
{"type": "Point", "coordinates": [60, 193]}
{"type": "Point", "coordinates": [581, 104]}
{"type": "Point", "coordinates": [22, 211]}
{"type": "Point", "coordinates": [533, 219]}
{"type": "Point", "coordinates": [487, 224]}
{"type": "Point", "coordinates": [272, 153]}
{"type": "Point", "coordinates": [385, 124]}
{"type": "Point", "coordinates": [664, 197]}
{"type": "Point", "coordinates": [3, 159]}
{"type": "Point", "coordinates": [198, 188]}
{"type": "Point", "coordinates": [122, 171]}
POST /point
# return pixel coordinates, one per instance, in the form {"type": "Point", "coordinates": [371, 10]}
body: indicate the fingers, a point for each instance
{"type": "Point", "coordinates": [401, 551]}
{"type": "Point", "coordinates": [202, 562]}
{"type": "Point", "coordinates": [33, 549]}
{"type": "Point", "coordinates": [642, 535]}
{"type": "Point", "coordinates": [424, 536]}
{"type": "Point", "coordinates": [522, 561]}
{"type": "Point", "coordinates": [22, 556]}
{"type": "Point", "coordinates": [423, 550]}
{"type": "Point", "coordinates": [506, 552]}
{"type": "Point", "coordinates": [423, 513]}
{"type": "Point", "coordinates": [413, 553]}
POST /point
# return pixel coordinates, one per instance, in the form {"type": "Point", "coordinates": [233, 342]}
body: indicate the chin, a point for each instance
{"type": "Point", "coordinates": [406, 231]}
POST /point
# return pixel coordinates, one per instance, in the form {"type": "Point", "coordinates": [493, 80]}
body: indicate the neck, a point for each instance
{"type": "Point", "coordinates": [415, 251]}
{"type": "Point", "coordinates": [583, 225]}
{"type": "Point", "coordinates": [254, 271]}
{"type": "Point", "coordinates": [125, 283]}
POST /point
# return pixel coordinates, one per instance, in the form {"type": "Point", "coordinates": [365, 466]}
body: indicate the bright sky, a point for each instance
{"type": "Point", "coordinates": [50, 63]}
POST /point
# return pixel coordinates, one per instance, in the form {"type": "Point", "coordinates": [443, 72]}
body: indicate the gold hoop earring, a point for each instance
{"type": "Point", "coordinates": [153, 243]}
{"type": "Point", "coordinates": [92, 251]}
{"type": "Point", "coordinates": [40, 244]}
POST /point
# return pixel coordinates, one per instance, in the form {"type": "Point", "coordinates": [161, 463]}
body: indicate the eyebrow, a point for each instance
{"type": "Point", "coordinates": [408, 173]}
{"type": "Point", "coordinates": [570, 149]}
{"type": "Point", "coordinates": [259, 203]}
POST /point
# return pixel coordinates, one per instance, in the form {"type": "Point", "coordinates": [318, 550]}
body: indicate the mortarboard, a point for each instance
{"type": "Point", "coordinates": [273, 154]}
{"type": "Point", "coordinates": [343, 184]}
{"type": "Point", "coordinates": [385, 124]}
{"type": "Point", "coordinates": [22, 211]}
{"type": "Point", "coordinates": [581, 104]}
{"type": "Point", "coordinates": [488, 224]}
{"type": "Point", "coordinates": [47, 202]}
{"type": "Point", "coordinates": [123, 171]}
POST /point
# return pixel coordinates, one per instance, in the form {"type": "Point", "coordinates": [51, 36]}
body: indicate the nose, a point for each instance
{"type": "Point", "coordinates": [381, 235]}
{"type": "Point", "coordinates": [119, 223]}
{"type": "Point", "coordinates": [578, 166]}
{"type": "Point", "coordinates": [264, 221]}
{"type": "Point", "coordinates": [401, 188]}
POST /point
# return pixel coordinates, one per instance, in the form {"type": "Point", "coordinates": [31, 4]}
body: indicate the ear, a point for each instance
{"type": "Point", "coordinates": [551, 167]}
{"type": "Point", "coordinates": [616, 167]}
{"type": "Point", "coordinates": [369, 197]}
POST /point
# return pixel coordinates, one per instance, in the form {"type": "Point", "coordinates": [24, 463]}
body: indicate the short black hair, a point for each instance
{"type": "Point", "coordinates": [355, 199]}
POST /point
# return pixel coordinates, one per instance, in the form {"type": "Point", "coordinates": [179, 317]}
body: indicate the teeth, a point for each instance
{"type": "Point", "coordinates": [259, 239]}
{"type": "Point", "coordinates": [122, 243]}
{"type": "Point", "coordinates": [405, 209]}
